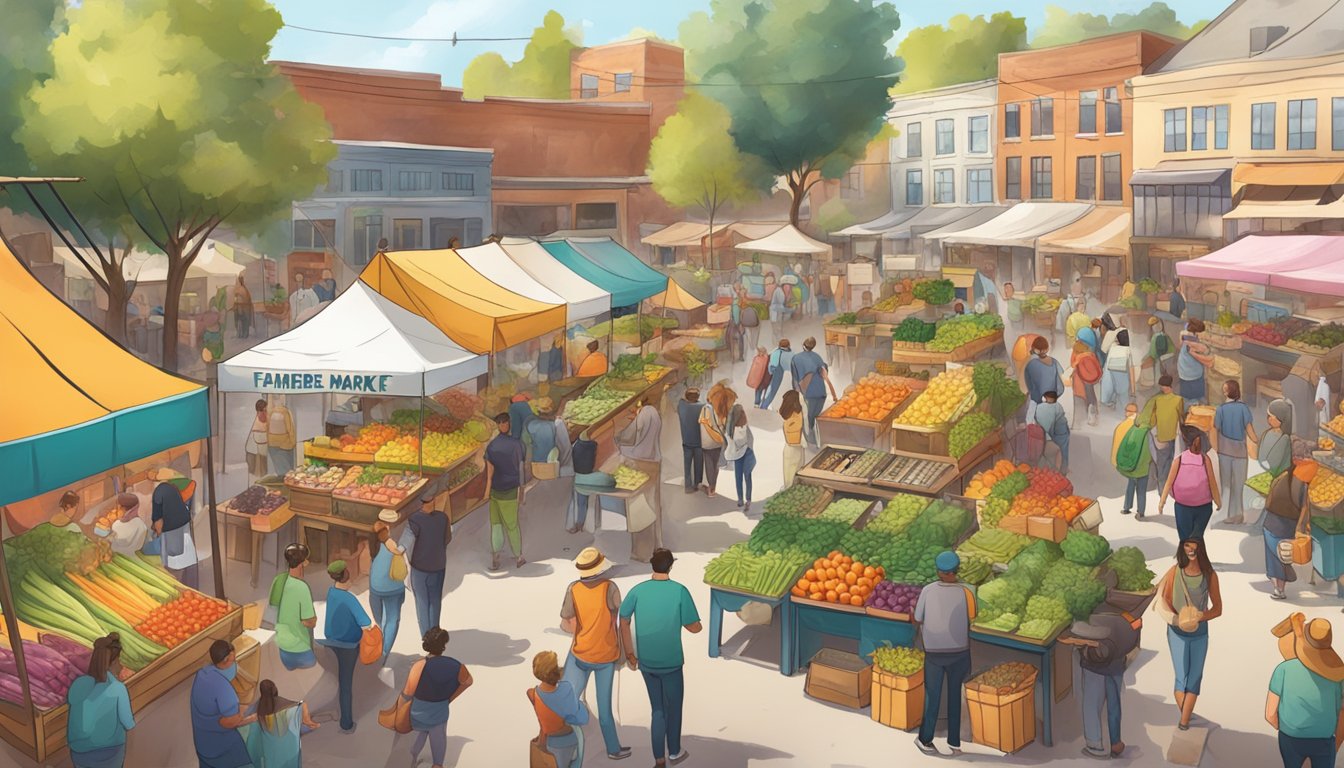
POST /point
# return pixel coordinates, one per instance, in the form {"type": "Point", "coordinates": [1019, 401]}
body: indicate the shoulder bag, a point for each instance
{"type": "Point", "coordinates": [397, 570]}
{"type": "Point", "coordinates": [397, 718]}
{"type": "Point", "coordinates": [1187, 619]}
{"type": "Point", "coordinates": [371, 644]}
{"type": "Point", "coordinates": [271, 612]}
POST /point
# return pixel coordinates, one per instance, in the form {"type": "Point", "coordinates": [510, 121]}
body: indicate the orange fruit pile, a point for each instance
{"type": "Point", "coordinates": [840, 579]}
{"type": "Point", "coordinates": [1031, 503]}
{"type": "Point", "coordinates": [871, 399]}
{"type": "Point", "coordinates": [371, 438]}
{"type": "Point", "coordinates": [981, 484]}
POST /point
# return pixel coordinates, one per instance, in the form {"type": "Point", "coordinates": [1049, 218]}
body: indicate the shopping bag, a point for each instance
{"type": "Point", "coordinates": [1301, 549]}
{"type": "Point", "coordinates": [371, 644]}
{"type": "Point", "coordinates": [397, 570]}
{"type": "Point", "coordinates": [397, 718]}
{"type": "Point", "coordinates": [539, 757]}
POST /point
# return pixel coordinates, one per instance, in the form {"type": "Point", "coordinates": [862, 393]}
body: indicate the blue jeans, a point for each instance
{"type": "Point", "coordinates": [693, 465]}
{"type": "Point", "coordinates": [1188, 651]}
{"type": "Point", "coordinates": [427, 586]}
{"type": "Point", "coordinates": [815, 405]}
{"type": "Point", "coordinates": [776, 381]}
{"type": "Point", "coordinates": [107, 757]}
{"type": "Point", "coordinates": [742, 474]}
{"type": "Point", "coordinates": [1101, 691]}
{"type": "Point", "coordinates": [1294, 751]}
{"type": "Point", "coordinates": [577, 672]}
{"type": "Point", "coordinates": [301, 660]}
{"type": "Point", "coordinates": [762, 390]}
{"type": "Point", "coordinates": [1115, 388]}
{"type": "Point", "coordinates": [1191, 521]}
{"type": "Point", "coordinates": [386, 610]}
{"type": "Point", "coordinates": [1136, 494]}
{"type": "Point", "coordinates": [952, 667]}
{"type": "Point", "coordinates": [346, 659]}
{"type": "Point", "coordinates": [667, 689]}
{"type": "Point", "coordinates": [577, 513]}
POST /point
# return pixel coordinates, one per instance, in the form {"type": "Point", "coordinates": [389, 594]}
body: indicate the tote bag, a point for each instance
{"type": "Point", "coordinates": [397, 718]}
{"type": "Point", "coordinates": [371, 644]}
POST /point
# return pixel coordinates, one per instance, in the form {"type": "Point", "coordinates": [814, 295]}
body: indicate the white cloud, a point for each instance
{"type": "Point", "coordinates": [441, 19]}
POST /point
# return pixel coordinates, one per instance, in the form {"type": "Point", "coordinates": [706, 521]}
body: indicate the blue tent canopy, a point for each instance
{"type": "Point", "coordinates": [604, 263]}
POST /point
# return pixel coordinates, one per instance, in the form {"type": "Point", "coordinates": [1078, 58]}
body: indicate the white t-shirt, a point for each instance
{"type": "Point", "coordinates": [128, 536]}
{"type": "Point", "coordinates": [1323, 394]}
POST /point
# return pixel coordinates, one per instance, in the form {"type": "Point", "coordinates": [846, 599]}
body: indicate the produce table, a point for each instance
{"type": "Point", "coordinates": [859, 340]}
{"type": "Point", "coordinates": [603, 430]}
{"type": "Point", "coordinates": [256, 528]}
{"type": "Point", "coordinates": [968, 351]}
{"type": "Point", "coordinates": [616, 499]}
{"type": "Point", "coordinates": [811, 621]}
{"type": "Point", "coordinates": [722, 599]}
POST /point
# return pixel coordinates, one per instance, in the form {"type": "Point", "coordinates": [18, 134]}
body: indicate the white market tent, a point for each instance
{"type": "Point", "coordinates": [787, 239]}
{"type": "Point", "coordinates": [494, 264]}
{"type": "Point", "coordinates": [879, 226]}
{"type": "Point", "coordinates": [360, 343]}
{"type": "Point", "coordinates": [584, 299]}
{"type": "Point", "coordinates": [144, 267]}
{"type": "Point", "coordinates": [683, 234]}
{"type": "Point", "coordinates": [1017, 227]}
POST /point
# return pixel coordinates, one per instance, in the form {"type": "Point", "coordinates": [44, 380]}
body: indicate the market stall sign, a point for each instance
{"type": "Point", "coordinates": [264, 381]}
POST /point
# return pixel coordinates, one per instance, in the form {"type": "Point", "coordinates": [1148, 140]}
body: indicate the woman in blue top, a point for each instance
{"type": "Point", "coordinates": [100, 710]}
{"type": "Point", "coordinates": [1232, 426]}
{"type": "Point", "coordinates": [434, 682]}
{"type": "Point", "coordinates": [274, 741]}
{"type": "Point", "coordinates": [386, 594]}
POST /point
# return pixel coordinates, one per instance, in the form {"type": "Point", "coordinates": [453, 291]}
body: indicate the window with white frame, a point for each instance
{"type": "Point", "coordinates": [944, 190]}
{"type": "Point", "coordinates": [977, 134]}
{"type": "Point", "coordinates": [979, 185]}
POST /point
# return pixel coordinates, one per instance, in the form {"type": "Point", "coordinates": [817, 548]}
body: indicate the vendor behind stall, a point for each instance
{"type": "Point", "coordinates": [129, 530]}
{"type": "Point", "coordinates": [172, 522]}
{"type": "Point", "coordinates": [594, 363]}
{"type": "Point", "coordinates": [65, 517]}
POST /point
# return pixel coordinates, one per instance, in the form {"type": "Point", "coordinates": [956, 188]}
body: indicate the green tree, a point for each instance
{"type": "Point", "coordinates": [26, 33]}
{"type": "Point", "coordinates": [170, 111]}
{"type": "Point", "coordinates": [965, 50]}
{"type": "Point", "coordinates": [693, 162]}
{"type": "Point", "coordinates": [542, 73]}
{"type": "Point", "coordinates": [1062, 26]}
{"type": "Point", "coordinates": [807, 83]}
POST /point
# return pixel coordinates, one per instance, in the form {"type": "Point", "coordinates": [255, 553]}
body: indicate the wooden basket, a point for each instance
{"type": "Point", "coordinates": [898, 702]}
{"type": "Point", "coordinates": [1006, 722]}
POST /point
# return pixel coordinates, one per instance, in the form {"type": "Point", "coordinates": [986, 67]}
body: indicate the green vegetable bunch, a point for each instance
{"type": "Point", "coordinates": [1006, 594]}
{"type": "Point", "coordinates": [1131, 570]}
{"type": "Point", "coordinates": [1076, 585]}
{"type": "Point", "coordinates": [1148, 286]}
{"type": "Point", "coordinates": [1085, 548]}
{"type": "Point", "coordinates": [968, 433]}
{"type": "Point", "coordinates": [898, 514]}
{"type": "Point", "coordinates": [994, 386]}
{"type": "Point", "coordinates": [1009, 487]}
{"type": "Point", "coordinates": [1034, 561]}
{"type": "Point", "coordinates": [914, 330]}
{"type": "Point", "coordinates": [935, 292]}
{"type": "Point", "coordinates": [900, 660]}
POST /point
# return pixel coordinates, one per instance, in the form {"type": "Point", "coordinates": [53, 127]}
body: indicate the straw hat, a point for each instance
{"type": "Point", "coordinates": [165, 474]}
{"type": "Point", "coordinates": [591, 562]}
{"type": "Point", "coordinates": [1313, 648]}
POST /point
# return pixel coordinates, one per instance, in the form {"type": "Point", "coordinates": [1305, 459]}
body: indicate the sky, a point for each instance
{"type": "Point", "coordinates": [599, 21]}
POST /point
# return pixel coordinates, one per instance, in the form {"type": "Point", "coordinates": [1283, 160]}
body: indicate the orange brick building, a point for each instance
{"type": "Point", "coordinates": [644, 71]}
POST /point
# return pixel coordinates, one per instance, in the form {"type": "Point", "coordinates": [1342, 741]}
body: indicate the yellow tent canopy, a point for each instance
{"type": "Point", "coordinates": [470, 309]}
{"type": "Point", "coordinates": [676, 297]}
{"type": "Point", "coordinates": [72, 402]}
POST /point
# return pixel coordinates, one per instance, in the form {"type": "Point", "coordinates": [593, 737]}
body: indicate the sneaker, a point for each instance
{"type": "Point", "coordinates": [1125, 511]}
{"type": "Point", "coordinates": [1096, 754]}
{"type": "Point", "coordinates": [927, 749]}
{"type": "Point", "coordinates": [619, 754]}
{"type": "Point", "coordinates": [1278, 595]}
{"type": "Point", "coordinates": [679, 757]}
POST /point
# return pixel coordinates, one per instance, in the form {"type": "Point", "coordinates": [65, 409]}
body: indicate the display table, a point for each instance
{"type": "Point", "coordinates": [617, 500]}
{"type": "Point", "coordinates": [965, 353]}
{"type": "Point", "coordinates": [603, 431]}
{"type": "Point", "coordinates": [722, 599]}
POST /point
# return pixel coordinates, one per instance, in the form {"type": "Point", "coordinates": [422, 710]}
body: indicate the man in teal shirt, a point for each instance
{"type": "Point", "coordinates": [1306, 699]}
{"type": "Point", "coordinates": [661, 608]}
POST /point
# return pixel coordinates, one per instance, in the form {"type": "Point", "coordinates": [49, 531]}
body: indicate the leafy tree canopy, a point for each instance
{"type": "Point", "coordinates": [542, 73]}
{"type": "Point", "coordinates": [964, 50]}
{"type": "Point", "coordinates": [1063, 26]}
{"type": "Point", "coordinates": [693, 162]}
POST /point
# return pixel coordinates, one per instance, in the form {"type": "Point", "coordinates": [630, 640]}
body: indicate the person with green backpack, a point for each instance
{"type": "Point", "coordinates": [1132, 457]}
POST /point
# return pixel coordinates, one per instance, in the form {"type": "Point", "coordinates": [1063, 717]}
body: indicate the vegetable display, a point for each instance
{"type": "Point", "coordinates": [994, 544]}
{"type": "Point", "coordinates": [968, 433]}
{"type": "Point", "coordinates": [628, 478]}
{"type": "Point", "coordinates": [897, 514]}
{"type": "Point", "coordinates": [176, 622]}
{"type": "Point", "coordinates": [946, 396]}
{"type": "Point", "coordinates": [1322, 338]}
{"type": "Point", "coordinates": [897, 598]}
{"type": "Point", "coordinates": [1006, 678]}
{"type": "Point", "coordinates": [1085, 548]}
{"type": "Point", "coordinates": [837, 578]}
{"type": "Point", "coordinates": [1131, 570]}
{"type": "Point", "coordinates": [994, 387]}
{"type": "Point", "coordinates": [796, 500]}
{"type": "Point", "coordinates": [914, 331]}
{"type": "Point", "coordinates": [900, 661]}
{"type": "Point", "coordinates": [844, 511]}
{"type": "Point", "coordinates": [257, 500]}
{"type": "Point", "coordinates": [935, 292]}
{"type": "Point", "coordinates": [50, 673]}
{"type": "Point", "coordinates": [871, 399]}
{"type": "Point", "coordinates": [781, 533]}
{"type": "Point", "coordinates": [597, 401]}
{"type": "Point", "coordinates": [960, 330]}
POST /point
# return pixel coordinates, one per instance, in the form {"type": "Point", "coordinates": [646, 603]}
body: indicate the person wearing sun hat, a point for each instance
{"type": "Point", "coordinates": [943, 616]}
{"type": "Point", "coordinates": [589, 613]}
{"type": "Point", "coordinates": [1305, 703]}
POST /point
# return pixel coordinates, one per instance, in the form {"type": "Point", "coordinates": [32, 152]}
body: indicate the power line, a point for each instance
{"type": "Point", "coordinates": [454, 40]}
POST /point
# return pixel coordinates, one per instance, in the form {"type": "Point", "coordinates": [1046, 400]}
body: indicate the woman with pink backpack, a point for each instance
{"type": "Point", "coordinates": [1194, 486]}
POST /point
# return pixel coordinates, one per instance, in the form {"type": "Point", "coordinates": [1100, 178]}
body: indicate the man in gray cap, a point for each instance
{"type": "Point", "coordinates": [1105, 642]}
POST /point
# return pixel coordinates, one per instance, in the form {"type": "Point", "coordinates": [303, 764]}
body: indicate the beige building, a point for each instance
{"type": "Point", "coordinates": [1240, 130]}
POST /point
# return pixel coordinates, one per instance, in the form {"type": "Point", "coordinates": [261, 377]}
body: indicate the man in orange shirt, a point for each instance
{"type": "Point", "coordinates": [594, 364]}
{"type": "Point", "coordinates": [589, 614]}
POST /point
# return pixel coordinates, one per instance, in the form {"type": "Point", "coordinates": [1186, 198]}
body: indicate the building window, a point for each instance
{"type": "Point", "coordinates": [335, 181]}
{"type": "Point", "coordinates": [1199, 128]}
{"type": "Point", "coordinates": [415, 181]}
{"type": "Point", "coordinates": [944, 190]}
{"type": "Point", "coordinates": [314, 234]}
{"type": "Point", "coordinates": [851, 185]}
{"type": "Point", "coordinates": [406, 233]}
{"type": "Point", "coordinates": [914, 187]}
{"type": "Point", "coordinates": [1337, 123]}
{"type": "Point", "coordinates": [1262, 126]}
{"type": "Point", "coordinates": [1085, 181]}
{"type": "Point", "coordinates": [595, 216]}
{"type": "Point", "coordinates": [977, 131]}
{"type": "Point", "coordinates": [944, 137]}
{"type": "Point", "coordinates": [1220, 116]}
{"type": "Point", "coordinates": [531, 219]}
{"type": "Point", "coordinates": [1043, 117]}
{"type": "Point", "coordinates": [459, 182]}
{"type": "Point", "coordinates": [588, 86]}
{"type": "Point", "coordinates": [366, 180]}
{"type": "Point", "coordinates": [914, 140]}
{"type": "Point", "coordinates": [1087, 112]}
{"type": "Point", "coordinates": [1173, 130]}
{"type": "Point", "coordinates": [1012, 121]}
{"type": "Point", "coordinates": [1181, 210]}
{"type": "Point", "coordinates": [1112, 185]}
{"type": "Point", "coordinates": [623, 80]}
{"type": "Point", "coordinates": [1112, 98]}
{"type": "Point", "coordinates": [442, 232]}
{"type": "Point", "coordinates": [368, 231]}
{"type": "Point", "coordinates": [1302, 124]}
{"type": "Point", "coordinates": [1042, 178]}
{"type": "Point", "coordinates": [1012, 178]}
{"type": "Point", "coordinates": [979, 185]}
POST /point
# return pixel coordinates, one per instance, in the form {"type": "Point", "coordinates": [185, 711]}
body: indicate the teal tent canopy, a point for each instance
{"type": "Point", "coordinates": [604, 263]}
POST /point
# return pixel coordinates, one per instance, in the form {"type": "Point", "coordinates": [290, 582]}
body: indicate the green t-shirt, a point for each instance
{"type": "Point", "coordinates": [1308, 703]}
{"type": "Point", "coordinates": [660, 607]}
{"type": "Point", "coordinates": [296, 605]}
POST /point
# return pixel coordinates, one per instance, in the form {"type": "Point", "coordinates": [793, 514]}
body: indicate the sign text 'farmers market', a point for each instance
{"type": "Point", "coordinates": [320, 382]}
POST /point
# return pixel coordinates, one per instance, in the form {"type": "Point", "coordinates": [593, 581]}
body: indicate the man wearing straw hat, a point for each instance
{"type": "Point", "coordinates": [589, 614]}
{"type": "Point", "coordinates": [1305, 703]}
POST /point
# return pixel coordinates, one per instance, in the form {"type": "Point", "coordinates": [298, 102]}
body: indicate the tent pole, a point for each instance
{"type": "Point", "coordinates": [217, 562]}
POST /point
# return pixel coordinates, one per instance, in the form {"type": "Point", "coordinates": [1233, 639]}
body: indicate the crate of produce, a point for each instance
{"type": "Point", "coordinates": [274, 520]}
{"type": "Point", "coordinates": [851, 511]}
{"type": "Point", "coordinates": [768, 574]}
{"type": "Point", "coordinates": [840, 678]}
{"type": "Point", "coordinates": [256, 500]}
{"type": "Point", "coordinates": [1326, 492]}
{"type": "Point", "coordinates": [799, 500]}
{"type": "Point", "coordinates": [1048, 528]}
{"type": "Point", "coordinates": [863, 415]}
{"type": "Point", "coordinates": [898, 701]}
{"type": "Point", "coordinates": [1003, 711]}
{"type": "Point", "coordinates": [978, 450]}
{"type": "Point", "coordinates": [1089, 519]}
{"type": "Point", "coordinates": [310, 501]}
{"type": "Point", "coordinates": [916, 473]}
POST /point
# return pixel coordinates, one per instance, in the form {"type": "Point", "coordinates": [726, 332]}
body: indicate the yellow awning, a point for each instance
{"type": "Point", "coordinates": [1104, 231]}
{"type": "Point", "coordinates": [1286, 209]}
{"type": "Point", "coordinates": [473, 311]}
{"type": "Point", "coordinates": [676, 297]}
{"type": "Point", "coordinates": [1289, 174]}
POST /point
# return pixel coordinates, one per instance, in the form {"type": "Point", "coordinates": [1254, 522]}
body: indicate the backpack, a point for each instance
{"type": "Point", "coordinates": [748, 317]}
{"type": "Point", "coordinates": [1162, 345]}
{"type": "Point", "coordinates": [1131, 449]}
{"type": "Point", "coordinates": [756, 374]}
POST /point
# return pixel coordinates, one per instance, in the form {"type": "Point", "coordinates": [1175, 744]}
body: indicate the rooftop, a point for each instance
{"type": "Point", "coordinates": [1288, 29]}
{"type": "Point", "coordinates": [408, 145]}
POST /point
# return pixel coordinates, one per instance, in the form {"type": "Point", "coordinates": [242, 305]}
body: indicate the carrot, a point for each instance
{"type": "Point", "coordinates": [121, 590]}
{"type": "Point", "coordinates": [109, 600]}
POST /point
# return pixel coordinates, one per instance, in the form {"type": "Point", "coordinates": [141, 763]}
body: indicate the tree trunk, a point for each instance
{"type": "Point", "coordinates": [115, 324]}
{"type": "Point", "coordinates": [177, 277]}
{"type": "Point", "coordinates": [796, 207]}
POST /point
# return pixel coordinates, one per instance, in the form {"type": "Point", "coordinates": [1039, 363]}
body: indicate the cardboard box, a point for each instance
{"type": "Point", "coordinates": [840, 678]}
{"type": "Point", "coordinates": [898, 702]}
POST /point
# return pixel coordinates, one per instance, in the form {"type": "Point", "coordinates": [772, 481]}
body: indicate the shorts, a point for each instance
{"type": "Point", "coordinates": [300, 660]}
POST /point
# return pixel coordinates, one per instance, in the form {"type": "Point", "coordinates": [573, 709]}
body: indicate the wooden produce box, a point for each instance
{"type": "Point", "coordinates": [832, 456]}
{"type": "Point", "coordinates": [1037, 526]}
{"type": "Point", "coordinates": [840, 678]}
{"type": "Point", "coordinates": [969, 351]}
{"type": "Point", "coordinates": [274, 521]}
{"type": "Point", "coordinates": [898, 702]}
{"type": "Point", "coordinates": [930, 441]}
{"type": "Point", "coordinates": [907, 471]}
{"type": "Point", "coordinates": [1089, 519]}
{"type": "Point", "coordinates": [1002, 721]}
{"type": "Point", "coordinates": [976, 454]}
{"type": "Point", "coordinates": [309, 500]}
{"type": "Point", "coordinates": [847, 430]}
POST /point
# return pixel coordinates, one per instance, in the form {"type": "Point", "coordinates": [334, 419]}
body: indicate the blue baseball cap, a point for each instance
{"type": "Point", "coordinates": [947, 562]}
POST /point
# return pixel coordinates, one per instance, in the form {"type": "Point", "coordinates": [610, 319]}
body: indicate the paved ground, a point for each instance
{"type": "Point", "coordinates": [740, 711]}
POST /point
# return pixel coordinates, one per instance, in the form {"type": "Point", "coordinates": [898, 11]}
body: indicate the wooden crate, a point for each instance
{"type": "Point", "coordinates": [273, 521]}
{"type": "Point", "coordinates": [1006, 722]}
{"type": "Point", "coordinates": [898, 702]}
{"type": "Point", "coordinates": [305, 500]}
{"type": "Point", "coordinates": [840, 678]}
{"type": "Point", "coordinates": [925, 440]}
{"type": "Point", "coordinates": [1050, 528]}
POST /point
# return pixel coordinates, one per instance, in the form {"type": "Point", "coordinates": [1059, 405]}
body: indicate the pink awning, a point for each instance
{"type": "Point", "coordinates": [1309, 263]}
